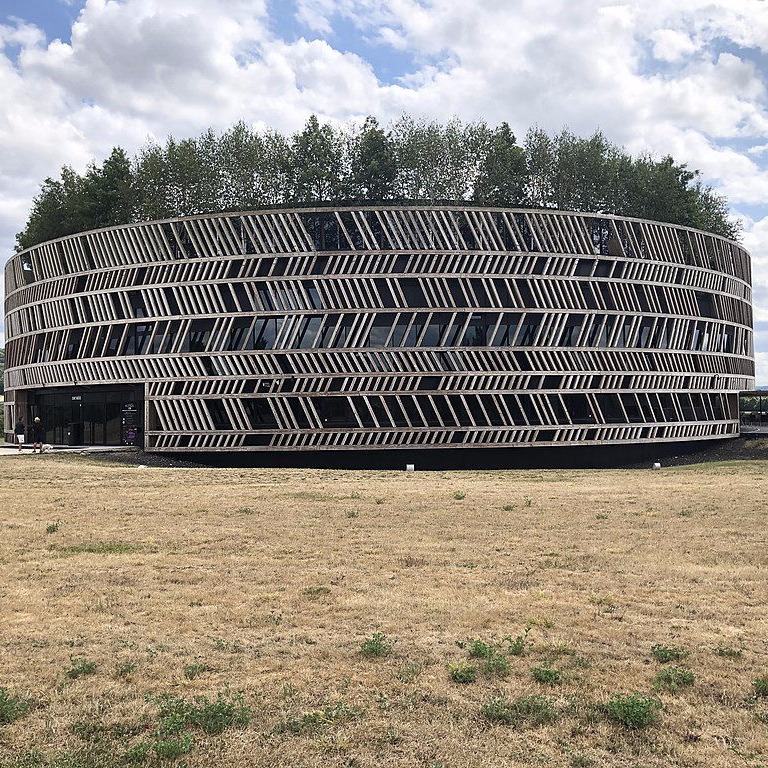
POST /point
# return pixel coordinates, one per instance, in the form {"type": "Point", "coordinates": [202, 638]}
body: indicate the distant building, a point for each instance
{"type": "Point", "coordinates": [382, 327]}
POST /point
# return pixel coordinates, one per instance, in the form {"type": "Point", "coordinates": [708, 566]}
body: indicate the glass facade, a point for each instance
{"type": "Point", "coordinates": [85, 415]}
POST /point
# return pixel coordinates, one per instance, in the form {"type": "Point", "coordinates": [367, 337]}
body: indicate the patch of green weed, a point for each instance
{"type": "Point", "coordinates": [531, 710]}
{"type": "Point", "coordinates": [547, 675]}
{"type": "Point", "coordinates": [191, 671]}
{"type": "Point", "coordinates": [314, 592]}
{"type": "Point", "coordinates": [319, 718]}
{"type": "Point", "coordinates": [728, 652]}
{"type": "Point", "coordinates": [633, 710]}
{"type": "Point", "coordinates": [377, 646]}
{"type": "Point", "coordinates": [13, 707]}
{"type": "Point", "coordinates": [80, 667]}
{"type": "Point", "coordinates": [125, 669]}
{"type": "Point", "coordinates": [462, 672]}
{"type": "Point", "coordinates": [673, 678]}
{"type": "Point", "coordinates": [667, 653]}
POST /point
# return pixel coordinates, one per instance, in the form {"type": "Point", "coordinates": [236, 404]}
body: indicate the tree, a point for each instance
{"type": "Point", "coordinates": [415, 159]}
{"type": "Point", "coordinates": [373, 164]}
{"type": "Point", "coordinates": [150, 173]}
{"type": "Point", "coordinates": [436, 162]}
{"type": "Point", "coordinates": [316, 162]}
{"type": "Point", "coordinates": [710, 213]}
{"type": "Point", "coordinates": [109, 191]}
{"type": "Point", "coordinates": [503, 173]}
{"type": "Point", "coordinates": [193, 177]}
{"type": "Point", "coordinates": [541, 161]}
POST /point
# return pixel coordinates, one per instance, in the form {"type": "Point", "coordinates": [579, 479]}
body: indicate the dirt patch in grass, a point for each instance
{"type": "Point", "coordinates": [261, 617]}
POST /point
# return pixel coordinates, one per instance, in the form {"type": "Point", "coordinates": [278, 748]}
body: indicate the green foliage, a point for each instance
{"type": "Point", "coordinates": [125, 668]}
{"type": "Point", "coordinates": [532, 710]}
{"type": "Point", "coordinates": [317, 719]}
{"type": "Point", "coordinates": [315, 592]}
{"type": "Point", "coordinates": [414, 159]}
{"type": "Point", "coordinates": [409, 671]}
{"type": "Point", "coordinates": [547, 675]}
{"type": "Point", "coordinates": [666, 653]}
{"type": "Point", "coordinates": [462, 672]}
{"type": "Point", "coordinates": [760, 686]}
{"type": "Point", "coordinates": [673, 678]}
{"type": "Point", "coordinates": [728, 652]}
{"type": "Point", "coordinates": [377, 645]}
{"type": "Point", "coordinates": [13, 707]}
{"type": "Point", "coordinates": [633, 710]}
{"type": "Point", "coordinates": [80, 668]}
{"type": "Point", "coordinates": [191, 671]}
{"type": "Point", "coordinates": [53, 527]}
{"type": "Point", "coordinates": [373, 164]}
{"type": "Point", "coordinates": [212, 717]}
{"type": "Point", "coordinates": [518, 645]}
{"type": "Point", "coordinates": [161, 747]}
{"type": "Point", "coordinates": [495, 665]}
{"type": "Point", "coordinates": [459, 495]}
{"type": "Point", "coordinates": [479, 649]}
{"type": "Point", "coordinates": [100, 548]}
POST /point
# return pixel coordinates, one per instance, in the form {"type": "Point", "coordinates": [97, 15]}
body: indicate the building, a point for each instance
{"type": "Point", "coordinates": [383, 327]}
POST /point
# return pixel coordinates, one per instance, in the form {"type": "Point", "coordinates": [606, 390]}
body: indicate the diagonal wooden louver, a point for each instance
{"type": "Point", "coordinates": [383, 327]}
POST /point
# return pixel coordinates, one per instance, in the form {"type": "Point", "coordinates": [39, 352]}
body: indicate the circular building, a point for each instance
{"type": "Point", "coordinates": [381, 327]}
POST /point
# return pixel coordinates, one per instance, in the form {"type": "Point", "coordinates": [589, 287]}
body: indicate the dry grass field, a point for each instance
{"type": "Point", "coordinates": [283, 617]}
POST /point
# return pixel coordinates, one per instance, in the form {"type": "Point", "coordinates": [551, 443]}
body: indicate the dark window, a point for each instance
{"type": "Point", "coordinates": [382, 325]}
{"type": "Point", "coordinates": [113, 342]}
{"type": "Point", "coordinates": [414, 295]}
{"type": "Point", "coordinates": [397, 413]}
{"type": "Point", "coordinates": [137, 304]}
{"type": "Point", "coordinates": [218, 414]}
{"type": "Point", "coordinates": [296, 406]}
{"type": "Point", "coordinates": [137, 338]}
{"type": "Point", "coordinates": [335, 412]}
{"type": "Point", "coordinates": [238, 334]}
{"type": "Point", "coordinates": [578, 408]}
{"type": "Point", "coordinates": [507, 329]}
{"type": "Point", "coordinates": [611, 407]}
{"type": "Point", "coordinates": [73, 343]}
{"type": "Point", "coordinates": [199, 334]}
{"type": "Point", "coordinates": [444, 411]}
{"type": "Point", "coordinates": [415, 330]}
{"type": "Point", "coordinates": [435, 329]}
{"type": "Point", "coordinates": [243, 298]}
{"type": "Point", "coordinates": [265, 331]}
{"type": "Point", "coordinates": [529, 329]}
{"type": "Point", "coordinates": [409, 404]}
{"type": "Point", "coordinates": [170, 300]}
{"type": "Point", "coordinates": [476, 333]}
{"type": "Point", "coordinates": [259, 413]}
{"type": "Point", "coordinates": [308, 331]}
{"type": "Point", "coordinates": [571, 331]}
{"type": "Point", "coordinates": [631, 406]}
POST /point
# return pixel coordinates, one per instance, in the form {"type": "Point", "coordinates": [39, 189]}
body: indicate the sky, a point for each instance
{"type": "Point", "coordinates": [682, 77]}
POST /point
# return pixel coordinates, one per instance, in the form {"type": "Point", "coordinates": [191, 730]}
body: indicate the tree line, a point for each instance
{"type": "Point", "coordinates": [413, 159]}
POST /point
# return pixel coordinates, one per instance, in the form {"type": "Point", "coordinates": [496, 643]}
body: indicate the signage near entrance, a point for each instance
{"type": "Point", "coordinates": [129, 424]}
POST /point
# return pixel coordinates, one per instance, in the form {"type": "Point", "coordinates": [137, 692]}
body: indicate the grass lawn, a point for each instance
{"type": "Point", "coordinates": [287, 617]}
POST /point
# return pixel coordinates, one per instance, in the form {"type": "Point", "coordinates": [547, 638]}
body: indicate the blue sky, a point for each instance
{"type": "Point", "coordinates": [681, 77]}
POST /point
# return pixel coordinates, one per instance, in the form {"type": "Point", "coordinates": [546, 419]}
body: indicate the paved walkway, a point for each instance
{"type": "Point", "coordinates": [6, 449]}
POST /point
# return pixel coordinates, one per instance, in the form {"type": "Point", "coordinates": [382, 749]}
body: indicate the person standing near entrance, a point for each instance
{"type": "Point", "coordinates": [38, 435]}
{"type": "Point", "coordinates": [19, 431]}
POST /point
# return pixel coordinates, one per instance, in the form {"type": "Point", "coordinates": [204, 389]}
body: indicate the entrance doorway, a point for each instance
{"type": "Point", "coordinates": [90, 415]}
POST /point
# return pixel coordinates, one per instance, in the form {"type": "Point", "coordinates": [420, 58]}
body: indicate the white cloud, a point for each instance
{"type": "Point", "coordinates": [684, 77]}
{"type": "Point", "coordinates": [671, 44]}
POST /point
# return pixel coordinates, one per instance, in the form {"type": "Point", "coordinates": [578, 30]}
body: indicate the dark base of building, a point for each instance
{"type": "Point", "coordinates": [529, 457]}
